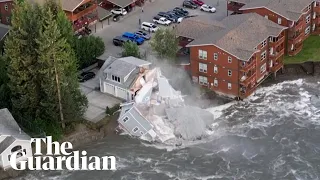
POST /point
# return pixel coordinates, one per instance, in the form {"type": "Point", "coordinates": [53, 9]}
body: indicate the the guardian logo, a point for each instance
{"type": "Point", "coordinates": [57, 154]}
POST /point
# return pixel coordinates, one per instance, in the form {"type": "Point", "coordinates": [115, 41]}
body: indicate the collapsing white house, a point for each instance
{"type": "Point", "coordinates": [12, 139]}
{"type": "Point", "coordinates": [158, 112]}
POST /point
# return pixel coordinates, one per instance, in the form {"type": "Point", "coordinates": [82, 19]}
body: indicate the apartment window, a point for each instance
{"type": "Point", "coordinates": [229, 73]}
{"type": "Point", "coordinates": [309, 7]}
{"type": "Point", "coordinates": [8, 19]}
{"type": "Point", "coordinates": [215, 82]}
{"type": "Point", "coordinates": [6, 7]}
{"type": "Point", "coordinates": [135, 129]}
{"type": "Point", "coordinates": [263, 55]}
{"type": "Point", "coordinates": [308, 18]}
{"type": "Point", "coordinates": [229, 86]}
{"type": "Point", "coordinates": [264, 43]}
{"type": "Point", "coordinates": [215, 69]}
{"type": "Point", "coordinates": [229, 59]}
{"type": "Point", "coordinates": [314, 15]}
{"type": "Point", "coordinates": [203, 80]}
{"type": "Point", "coordinates": [115, 78]}
{"type": "Point", "coordinates": [307, 31]}
{"type": "Point", "coordinates": [202, 67]}
{"type": "Point", "coordinates": [125, 119]}
{"type": "Point", "coordinates": [292, 47]}
{"type": "Point", "coordinates": [263, 68]}
{"type": "Point", "coordinates": [279, 20]}
{"type": "Point", "coordinates": [313, 27]}
{"type": "Point", "coordinates": [215, 56]}
{"type": "Point", "coordinates": [266, 16]}
{"type": "Point", "coordinates": [271, 50]}
{"type": "Point", "coordinates": [244, 63]}
{"type": "Point", "coordinates": [202, 54]}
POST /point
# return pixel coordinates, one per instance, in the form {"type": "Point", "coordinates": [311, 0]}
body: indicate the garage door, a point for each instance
{"type": "Point", "coordinates": [108, 88]}
{"type": "Point", "coordinates": [122, 93]}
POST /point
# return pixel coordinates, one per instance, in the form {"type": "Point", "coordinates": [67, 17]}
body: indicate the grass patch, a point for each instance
{"type": "Point", "coordinates": [310, 51]}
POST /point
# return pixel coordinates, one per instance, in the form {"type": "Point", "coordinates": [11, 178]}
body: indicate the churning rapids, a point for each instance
{"type": "Point", "coordinates": [272, 135]}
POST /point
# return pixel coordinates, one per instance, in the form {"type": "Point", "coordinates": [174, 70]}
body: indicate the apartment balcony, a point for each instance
{"type": "Point", "coordinates": [277, 66]}
{"type": "Point", "coordinates": [247, 67]}
{"type": "Point", "coordinates": [246, 92]}
{"type": "Point", "coordinates": [245, 80]}
{"type": "Point", "coordinates": [233, 6]}
{"type": "Point", "coordinates": [298, 37]}
{"type": "Point", "coordinates": [317, 8]}
{"type": "Point", "coordinates": [297, 27]}
{"type": "Point", "coordinates": [78, 13]}
{"type": "Point", "coordinates": [296, 50]}
{"type": "Point", "coordinates": [276, 55]}
{"type": "Point", "coordinates": [279, 42]}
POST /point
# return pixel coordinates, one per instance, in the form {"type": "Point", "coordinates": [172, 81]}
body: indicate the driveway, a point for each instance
{"type": "Point", "coordinates": [97, 101]}
{"type": "Point", "coordinates": [130, 22]}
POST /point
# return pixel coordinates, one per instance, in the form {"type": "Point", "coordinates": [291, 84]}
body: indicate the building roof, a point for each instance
{"type": "Point", "coordinates": [4, 29]}
{"type": "Point", "coordinates": [121, 3]}
{"type": "Point", "coordinates": [103, 13]}
{"type": "Point", "coordinates": [6, 143]}
{"type": "Point", "coordinates": [290, 9]}
{"type": "Point", "coordinates": [67, 5]}
{"type": "Point", "coordinates": [242, 33]}
{"type": "Point", "coordinates": [135, 61]}
{"type": "Point", "coordinates": [9, 127]}
{"type": "Point", "coordinates": [120, 68]}
{"type": "Point", "coordinates": [195, 27]}
{"type": "Point", "coordinates": [5, 0]}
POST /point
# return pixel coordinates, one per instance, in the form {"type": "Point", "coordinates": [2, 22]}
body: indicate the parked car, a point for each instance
{"type": "Point", "coordinates": [119, 40]}
{"type": "Point", "coordinates": [208, 8]}
{"type": "Point", "coordinates": [85, 76]}
{"type": "Point", "coordinates": [161, 20]}
{"type": "Point", "coordinates": [133, 37]}
{"type": "Point", "coordinates": [172, 17]}
{"type": "Point", "coordinates": [176, 13]}
{"type": "Point", "coordinates": [87, 30]}
{"type": "Point", "coordinates": [198, 2]}
{"type": "Point", "coordinates": [116, 17]}
{"type": "Point", "coordinates": [181, 10]}
{"type": "Point", "coordinates": [189, 4]}
{"type": "Point", "coordinates": [150, 27]}
{"type": "Point", "coordinates": [119, 11]}
{"type": "Point", "coordinates": [143, 34]}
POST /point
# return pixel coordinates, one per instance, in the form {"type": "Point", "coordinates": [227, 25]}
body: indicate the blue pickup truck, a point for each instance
{"type": "Point", "coordinates": [133, 37]}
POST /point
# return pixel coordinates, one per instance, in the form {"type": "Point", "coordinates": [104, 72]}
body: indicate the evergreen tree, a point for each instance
{"type": "Point", "coordinates": [165, 43]}
{"type": "Point", "coordinates": [5, 94]}
{"type": "Point", "coordinates": [130, 49]}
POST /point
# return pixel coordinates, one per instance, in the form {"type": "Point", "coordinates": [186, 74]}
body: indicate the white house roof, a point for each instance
{"type": "Point", "coordinates": [135, 61]}
{"type": "Point", "coordinates": [6, 143]}
{"type": "Point", "coordinates": [9, 127]}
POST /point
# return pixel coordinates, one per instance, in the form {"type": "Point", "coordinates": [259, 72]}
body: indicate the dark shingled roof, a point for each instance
{"type": "Point", "coordinates": [3, 31]}
{"type": "Point", "coordinates": [290, 9]}
{"type": "Point", "coordinates": [240, 35]}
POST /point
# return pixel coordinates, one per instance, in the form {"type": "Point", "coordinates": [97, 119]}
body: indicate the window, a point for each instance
{"type": "Point", "coordinates": [202, 67]}
{"type": "Point", "coordinates": [263, 68]}
{"type": "Point", "coordinates": [307, 31]}
{"type": "Point", "coordinates": [203, 80]}
{"type": "Point", "coordinates": [135, 129]}
{"type": "Point", "coordinates": [202, 54]}
{"type": "Point", "coordinates": [308, 18]}
{"type": "Point", "coordinates": [215, 56]}
{"type": "Point", "coordinates": [266, 16]}
{"type": "Point", "coordinates": [309, 7]}
{"type": "Point", "coordinates": [115, 78]}
{"type": "Point", "coordinates": [6, 7]}
{"type": "Point", "coordinates": [229, 86]}
{"type": "Point", "coordinates": [125, 119]}
{"type": "Point", "coordinates": [264, 43]}
{"type": "Point", "coordinates": [229, 73]}
{"type": "Point", "coordinates": [215, 69]}
{"type": "Point", "coordinates": [8, 19]}
{"type": "Point", "coordinates": [271, 51]}
{"type": "Point", "coordinates": [244, 64]}
{"type": "Point", "coordinates": [215, 82]}
{"type": "Point", "coordinates": [313, 27]}
{"type": "Point", "coordinates": [141, 132]}
{"type": "Point", "coordinates": [279, 20]}
{"type": "Point", "coordinates": [314, 15]}
{"type": "Point", "coordinates": [229, 59]}
{"type": "Point", "coordinates": [16, 148]}
{"type": "Point", "coordinates": [263, 55]}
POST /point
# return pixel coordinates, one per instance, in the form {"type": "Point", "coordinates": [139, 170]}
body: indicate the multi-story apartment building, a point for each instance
{"type": "Point", "coordinates": [234, 56]}
{"type": "Point", "coordinates": [5, 11]}
{"type": "Point", "coordinates": [300, 16]}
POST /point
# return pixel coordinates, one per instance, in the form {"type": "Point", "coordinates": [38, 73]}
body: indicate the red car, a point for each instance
{"type": "Point", "coordinates": [198, 2]}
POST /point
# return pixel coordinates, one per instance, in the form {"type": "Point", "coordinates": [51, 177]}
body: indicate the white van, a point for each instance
{"type": "Point", "coordinates": [150, 27]}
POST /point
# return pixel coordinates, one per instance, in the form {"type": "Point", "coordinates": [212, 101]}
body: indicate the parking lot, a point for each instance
{"type": "Point", "coordinates": [130, 22]}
